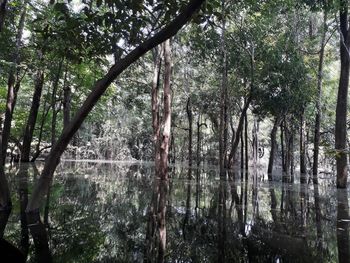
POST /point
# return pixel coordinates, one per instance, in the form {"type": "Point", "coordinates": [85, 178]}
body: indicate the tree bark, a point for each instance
{"type": "Point", "coordinates": [97, 91]}
{"type": "Point", "coordinates": [246, 142]}
{"type": "Point", "coordinates": [318, 102]}
{"type": "Point", "coordinates": [342, 100]}
{"type": "Point", "coordinates": [29, 131]}
{"type": "Point", "coordinates": [273, 147]}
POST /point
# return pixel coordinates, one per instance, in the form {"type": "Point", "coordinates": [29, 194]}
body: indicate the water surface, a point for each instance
{"type": "Point", "coordinates": [98, 212]}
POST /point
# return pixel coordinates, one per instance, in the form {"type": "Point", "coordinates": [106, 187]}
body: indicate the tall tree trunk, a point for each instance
{"type": "Point", "coordinates": [223, 96]}
{"type": "Point", "coordinates": [342, 100]}
{"type": "Point", "coordinates": [302, 149]}
{"type": "Point", "coordinates": [190, 130]}
{"type": "Point", "coordinates": [242, 152]}
{"type": "Point", "coordinates": [96, 92]}
{"type": "Point", "coordinates": [13, 83]}
{"type": "Point", "coordinates": [318, 101]}
{"type": "Point", "coordinates": [284, 169]}
{"type": "Point", "coordinates": [164, 149]}
{"type": "Point", "coordinates": [235, 142]}
{"type": "Point", "coordinates": [29, 131]}
{"type": "Point", "coordinates": [273, 147]}
{"type": "Point", "coordinates": [246, 142]}
{"type": "Point", "coordinates": [198, 157]}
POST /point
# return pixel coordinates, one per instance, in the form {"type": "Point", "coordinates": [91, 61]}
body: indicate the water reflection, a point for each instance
{"type": "Point", "coordinates": [98, 212]}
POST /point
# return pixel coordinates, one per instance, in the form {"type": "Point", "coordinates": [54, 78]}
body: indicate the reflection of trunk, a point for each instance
{"type": "Point", "coordinates": [343, 226]}
{"type": "Point", "coordinates": [342, 100]}
{"type": "Point", "coordinates": [222, 222]}
{"type": "Point", "coordinates": [23, 201]}
{"type": "Point", "coordinates": [242, 153]}
{"type": "Point", "coordinates": [13, 83]}
{"type": "Point", "coordinates": [318, 101]}
{"type": "Point", "coordinates": [4, 215]}
{"type": "Point", "coordinates": [273, 203]}
{"type": "Point", "coordinates": [273, 148]}
{"type": "Point", "coordinates": [97, 91]}
{"type": "Point", "coordinates": [188, 208]}
{"type": "Point", "coordinates": [33, 113]}
{"type": "Point", "coordinates": [318, 216]}
{"type": "Point", "coordinates": [39, 234]}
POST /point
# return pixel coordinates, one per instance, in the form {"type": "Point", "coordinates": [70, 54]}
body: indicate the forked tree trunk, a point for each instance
{"type": "Point", "coordinates": [342, 100]}
{"type": "Point", "coordinates": [318, 102]}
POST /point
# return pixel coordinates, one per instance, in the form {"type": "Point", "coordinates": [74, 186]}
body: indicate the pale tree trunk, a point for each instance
{"type": "Point", "coordinates": [318, 102]}
{"type": "Point", "coordinates": [164, 150]}
{"type": "Point", "coordinates": [246, 157]}
{"type": "Point", "coordinates": [342, 100]}
{"type": "Point", "coordinates": [97, 91]}
{"type": "Point", "coordinates": [13, 84]}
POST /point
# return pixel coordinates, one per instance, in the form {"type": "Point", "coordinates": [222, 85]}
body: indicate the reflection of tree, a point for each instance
{"type": "Point", "coordinates": [343, 226]}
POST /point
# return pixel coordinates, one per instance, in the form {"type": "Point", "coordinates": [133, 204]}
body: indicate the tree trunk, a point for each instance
{"type": "Point", "coordinates": [155, 108]}
{"type": "Point", "coordinates": [235, 142]}
{"type": "Point", "coordinates": [13, 83]}
{"type": "Point", "coordinates": [246, 142]}
{"type": "Point", "coordinates": [164, 149]}
{"type": "Point", "coordinates": [29, 131]}
{"type": "Point", "coordinates": [66, 101]}
{"type": "Point", "coordinates": [342, 100]}
{"type": "Point", "coordinates": [302, 149]}
{"type": "Point", "coordinates": [273, 147]}
{"type": "Point", "coordinates": [97, 91]}
{"type": "Point", "coordinates": [223, 96]}
{"type": "Point", "coordinates": [284, 169]}
{"type": "Point", "coordinates": [318, 102]}
{"type": "Point", "coordinates": [190, 130]}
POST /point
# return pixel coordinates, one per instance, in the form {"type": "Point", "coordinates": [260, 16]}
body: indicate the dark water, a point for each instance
{"type": "Point", "coordinates": [98, 212]}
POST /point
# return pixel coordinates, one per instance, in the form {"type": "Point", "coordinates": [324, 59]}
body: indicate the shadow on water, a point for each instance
{"type": "Point", "coordinates": [115, 212]}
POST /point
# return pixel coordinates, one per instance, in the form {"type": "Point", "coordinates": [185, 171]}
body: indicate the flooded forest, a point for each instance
{"type": "Point", "coordinates": [174, 131]}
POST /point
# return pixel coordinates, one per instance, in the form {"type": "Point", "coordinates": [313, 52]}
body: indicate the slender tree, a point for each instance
{"type": "Point", "coordinates": [342, 100]}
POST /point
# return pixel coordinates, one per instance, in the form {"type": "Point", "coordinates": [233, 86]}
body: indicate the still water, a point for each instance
{"type": "Point", "coordinates": [99, 212]}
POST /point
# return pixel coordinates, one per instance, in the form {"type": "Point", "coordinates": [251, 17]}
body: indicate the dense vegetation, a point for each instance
{"type": "Point", "coordinates": [243, 83]}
